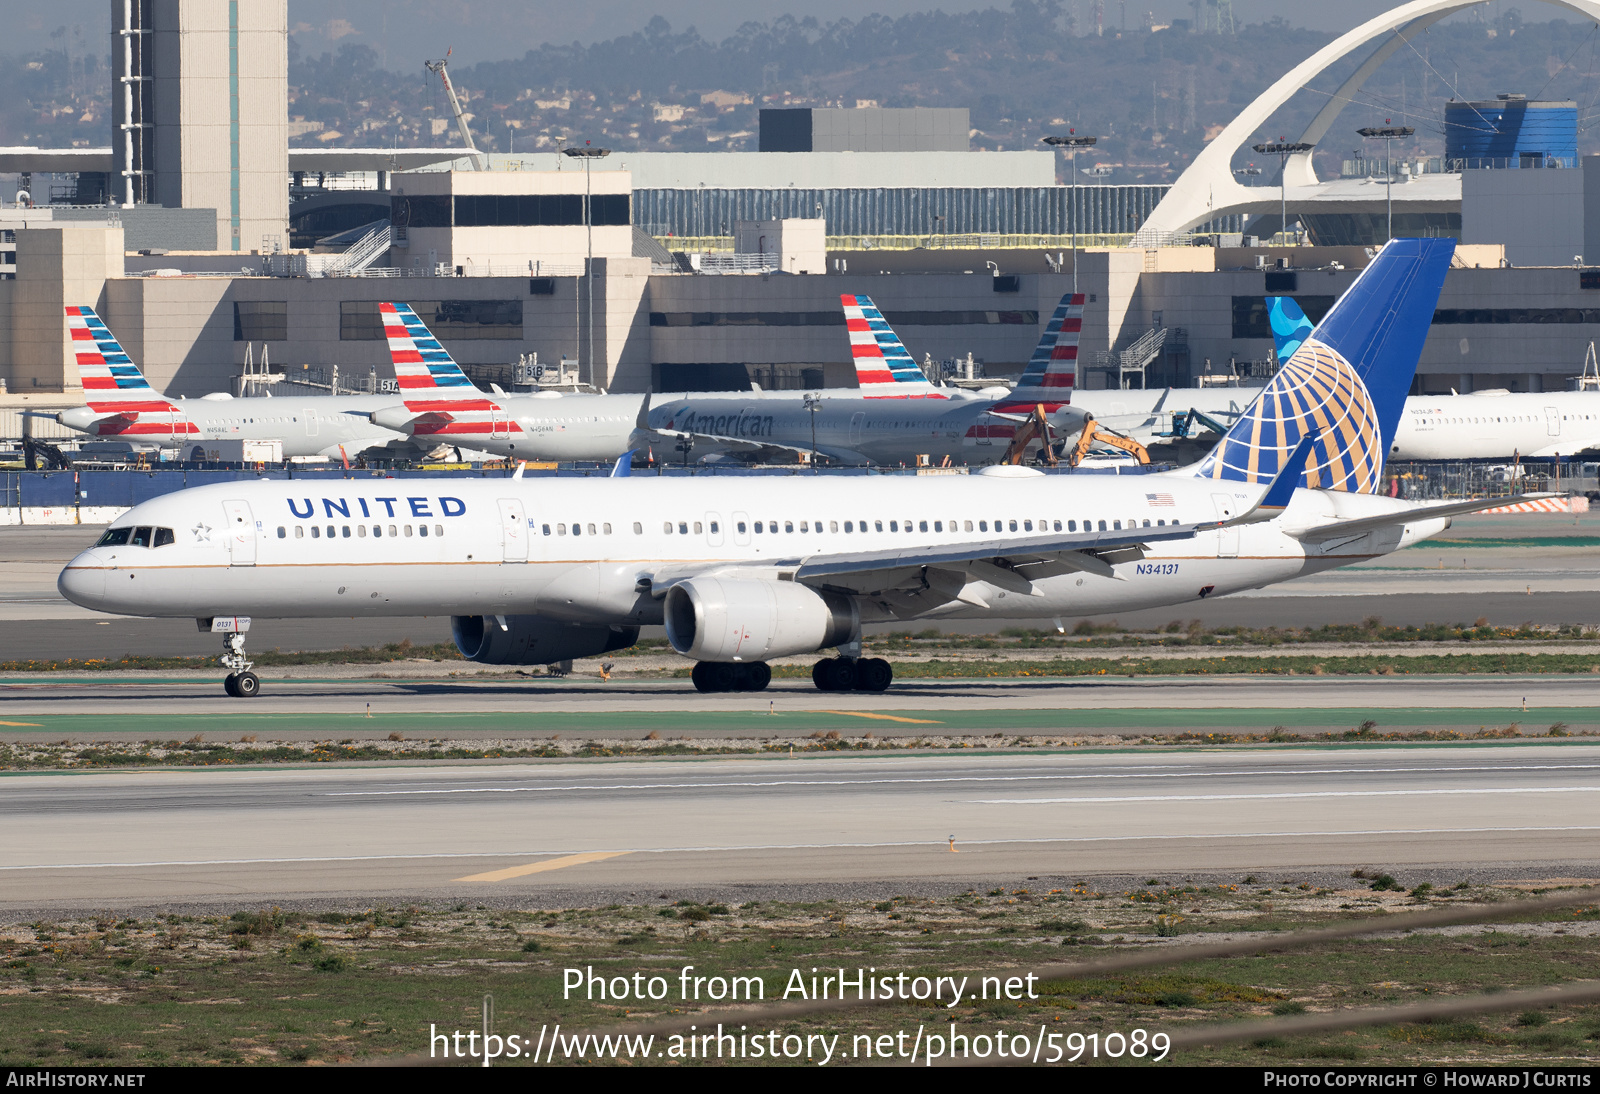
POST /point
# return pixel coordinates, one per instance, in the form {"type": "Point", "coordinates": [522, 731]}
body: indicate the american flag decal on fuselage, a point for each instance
{"type": "Point", "coordinates": [431, 382]}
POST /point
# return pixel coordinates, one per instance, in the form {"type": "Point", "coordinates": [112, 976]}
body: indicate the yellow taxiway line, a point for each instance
{"type": "Point", "coordinates": [540, 867]}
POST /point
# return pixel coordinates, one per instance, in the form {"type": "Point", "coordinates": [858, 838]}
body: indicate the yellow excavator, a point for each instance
{"type": "Point", "coordinates": [1037, 427]}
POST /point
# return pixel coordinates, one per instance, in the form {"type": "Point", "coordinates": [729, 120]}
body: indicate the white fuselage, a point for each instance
{"type": "Point", "coordinates": [858, 427]}
{"type": "Point", "coordinates": [1497, 425]}
{"type": "Point", "coordinates": [599, 550]}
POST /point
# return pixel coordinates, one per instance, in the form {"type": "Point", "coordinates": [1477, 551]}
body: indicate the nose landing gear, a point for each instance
{"type": "Point", "coordinates": [240, 682]}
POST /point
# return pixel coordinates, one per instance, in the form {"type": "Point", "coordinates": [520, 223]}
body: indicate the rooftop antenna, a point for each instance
{"type": "Point", "coordinates": [441, 69]}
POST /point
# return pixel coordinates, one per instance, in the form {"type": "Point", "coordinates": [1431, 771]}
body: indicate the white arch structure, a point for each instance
{"type": "Point", "coordinates": [1207, 188]}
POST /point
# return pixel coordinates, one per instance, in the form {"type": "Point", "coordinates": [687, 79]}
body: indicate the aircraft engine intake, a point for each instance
{"type": "Point", "coordinates": [534, 640]}
{"type": "Point", "coordinates": [713, 619]}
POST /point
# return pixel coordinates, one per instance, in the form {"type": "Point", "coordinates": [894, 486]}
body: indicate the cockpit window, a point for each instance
{"type": "Point", "coordinates": [114, 537]}
{"type": "Point", "coordinates": [164, 536]}
{"type": "Point", "coordinates": [141, 537]}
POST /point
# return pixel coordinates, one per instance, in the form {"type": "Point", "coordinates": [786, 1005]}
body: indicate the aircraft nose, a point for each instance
{"type": "Point", "coordinates": [83, 581]}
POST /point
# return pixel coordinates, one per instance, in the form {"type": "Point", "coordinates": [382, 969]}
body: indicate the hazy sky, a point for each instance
{"type": "Point", "coordinates": [404, 32]}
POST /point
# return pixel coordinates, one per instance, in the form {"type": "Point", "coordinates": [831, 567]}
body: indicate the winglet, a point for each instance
{"type": "Point", "coordinates": [624, 465]}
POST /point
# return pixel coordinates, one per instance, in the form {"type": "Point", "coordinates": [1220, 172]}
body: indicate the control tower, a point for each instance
{"type": "Point", "coordinates": [200, 112]}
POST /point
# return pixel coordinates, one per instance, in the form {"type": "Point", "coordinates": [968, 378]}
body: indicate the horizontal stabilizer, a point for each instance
{"type": "Point", "coordinates": [1422, 512]}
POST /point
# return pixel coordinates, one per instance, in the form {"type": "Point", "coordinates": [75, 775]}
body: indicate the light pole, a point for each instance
{"type": "Point", "coordinates": [588, 155]}
{"type": "Point", "coordinates": [1388, 134]}
{"type": "Point", "coordinates": [1071, 142]}
{"type": "Point", "coordinates": [1283, 152]}
{"type": "Point", "coordinates": [813, 403]}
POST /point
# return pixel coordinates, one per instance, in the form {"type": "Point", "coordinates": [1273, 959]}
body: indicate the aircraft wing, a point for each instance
{"type": "Point", "coordinates": [1422, 512]}
{"type": "Point", "coordinates": [1570, 445]}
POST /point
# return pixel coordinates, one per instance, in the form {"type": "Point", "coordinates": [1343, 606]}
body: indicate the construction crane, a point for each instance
{"type": "Point", "coordinates": [1093, 434]}
{"type": "Point", "coordinates": [441, 69]}
{"type": "Point", "coordinates": [1036, 427]}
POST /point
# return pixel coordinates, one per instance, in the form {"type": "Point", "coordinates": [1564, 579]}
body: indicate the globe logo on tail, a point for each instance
{"type": "Point", "coordinates": [1318, 391]}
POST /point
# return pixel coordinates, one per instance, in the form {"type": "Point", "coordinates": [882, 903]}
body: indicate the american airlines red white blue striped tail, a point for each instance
{"type": "Point", "coordinates": [1053, 369]}
{"type": "Point", "coordinates": [884, 367]}
{"type": "Point", "coordinates": [430, 381]}
{"type": "Point", "coordinates": [114, 386]}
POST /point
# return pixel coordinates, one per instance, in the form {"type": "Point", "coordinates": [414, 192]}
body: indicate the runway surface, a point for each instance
{"type": "Point", "coordinates": [1540, 568]}
{"type": "Point", "coordinates": [535, 831]}
{"type": "Point", "coordinates": [136, 709]}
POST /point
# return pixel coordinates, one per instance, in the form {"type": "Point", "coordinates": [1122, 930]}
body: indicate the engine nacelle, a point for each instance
{"type": "Point", "coordinates": [534, 640]}
{"type": "Point", "coordinates": [716, 619]}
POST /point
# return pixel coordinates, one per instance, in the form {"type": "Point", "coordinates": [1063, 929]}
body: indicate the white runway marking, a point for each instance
{"type": "Point", "coordinates": [935, 844]}
{"type": "Point", "coordinates": [931, 780]}
{"type": "Point", "coordinates": [1306, 794]}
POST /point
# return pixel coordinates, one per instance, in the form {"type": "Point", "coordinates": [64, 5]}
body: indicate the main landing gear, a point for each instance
{"type": "Point", "coordinates": [731, 675]}
{"type": "Point", "coordinates": [240, 682]}
{"type": "Point", "coordinates": [852, 674]}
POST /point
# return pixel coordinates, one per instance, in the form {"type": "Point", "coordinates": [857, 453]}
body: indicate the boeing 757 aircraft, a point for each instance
{"type": "Point", "coordinates": [1486, 425]}
{"type": "Point", "coordinates": [741, 570]}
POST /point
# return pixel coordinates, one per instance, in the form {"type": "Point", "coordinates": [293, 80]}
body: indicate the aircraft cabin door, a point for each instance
{"type": "Point", "coordinates": [1227, 538]}
{"type": "Point", "coordinates": [241, 534]}
{"type": "Point", "coordinates": [514, 530]}
{"type": "Point", "coordinates": [311, 422]}
{"type": "Point", "coordinates": [856, 421]}
{"type": "Point", "coordinates": [499, 425]}
{"type": "Point", "coordinates": [1552, 421]}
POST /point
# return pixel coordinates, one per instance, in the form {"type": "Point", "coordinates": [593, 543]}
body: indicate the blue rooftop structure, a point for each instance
{"type": "Point", "coordinates": [1510, 131]}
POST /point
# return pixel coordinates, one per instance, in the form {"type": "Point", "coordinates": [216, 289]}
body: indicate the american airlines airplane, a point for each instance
{"type": "Point", "coordinates": [437, 404]}
{"type": "Point", "coordinates": [896, 415]}
{"type": "Point", "coordinates": [741, 570]}
{"type": "Point", "coordinates": [1486, 425]}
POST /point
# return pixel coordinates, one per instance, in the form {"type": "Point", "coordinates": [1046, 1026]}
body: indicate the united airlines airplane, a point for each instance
{"type": "Point", "coordinates": [1486, 425]}
{"type": "Point", "coordinates": [742, 570]}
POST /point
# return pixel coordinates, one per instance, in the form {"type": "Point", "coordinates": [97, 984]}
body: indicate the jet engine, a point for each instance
{"type": "Point", "coordinates": [714, 619]}
{"type": "Point", "coordinates": [533, 639]}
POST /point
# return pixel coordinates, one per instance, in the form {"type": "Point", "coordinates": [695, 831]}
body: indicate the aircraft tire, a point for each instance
{"type": "Point", "coordinates": [873, 674]}
{"type": "Point", "coordinates": [230, 684]}
{"type": "Point", "coordinates": [247, 685]}
{"type": "Point", "coordinates": [724, 676]}
{"type": "Point", "coordinates": [819, 674]}
{"type": "Point", "coordinates": [840, 674]}
{"type": "Point", "coordinates": [757, 675]}
{"type": "Point", "coordinates": [701, 676]}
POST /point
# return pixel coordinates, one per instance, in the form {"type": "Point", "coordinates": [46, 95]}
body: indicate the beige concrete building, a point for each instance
{"type": "Point", "coordinates": [201, 112]}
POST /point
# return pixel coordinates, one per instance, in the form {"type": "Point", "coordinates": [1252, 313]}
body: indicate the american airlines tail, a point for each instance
{"type": "Point", "coordinates": [1347, 382]}
{"type": "Point", "coordinates": [884, 367]}
{"type": "Point", "coordinates": [439, 398]}
{"type": "Point", "coordinates": [120, 400]}
{"type": "Point", "coordinates": [1290, 327]}
{"type": "Point", "coordinates": [1053, 369]}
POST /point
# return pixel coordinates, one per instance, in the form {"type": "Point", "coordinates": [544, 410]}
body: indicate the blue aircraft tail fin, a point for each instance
{"type": "Point", "coordinates": [1347, 382]}
{"type": "Point", "coordinates": [1290, 327]}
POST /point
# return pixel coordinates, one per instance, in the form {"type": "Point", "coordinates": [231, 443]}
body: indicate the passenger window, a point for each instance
{"type": "Point", "coordinates": [1013, 526]}
{"type": "Point", "coordinates": [715, 528]}
{"type": "Point", "coordinates": [606, 528]}
{"type": "Point", "coordinates": [591, 529]}
{"type": "Point", "coordinates": [894, 526]}
{"type": "Point", "coordinates": [299, 532]}
{"type": "Point", "coordinates": [438, 529]}
{"type": "Point", "coordinates": [1072, 526]}
{"type": "Point", "coordinates": [1102, 526]}
{"type": "Point", "coordinates": [316, 532]}
{"type": "Point", "coordinates": [408, 531]}
{"type": "Point", "coordinates": [422, 529]}
{"type": "Point", "coordinates": [848, 527]}
{"type": "Point", "coordinates": [938, 526]}
{"type": "Point", "coordinates": [922, 526]}
{"type": "Point", "coordinates": [666, 527]}
{"type": "Point", "coordinates": [983, 526]}
{"type": "Point", "coordinates": [638, 529]}
{"type": "Point", "coordinates": [804, 528]}
{"type": "Point", "coordinates": [1147, 524]}
{"type": "Point", "coordinates": [114, 537]}
{"type": "Point", "coordinates": [283, 533]}
{"type": "Point", "coordinates": [393, 531]}
{"type": "Point", "coordinates": [833, 526]}
{"type": "Point", "coordinates": [1027, 525]}
{"type": "Point", "coordinates": [1116, 525]}
{"type": "Point", "coordinates": [346, 529]}
{"type": "Point", "coordinates": [966, 526]}
{"type": "Point", "coordinates": [878, 525]}
{"type": "Point", "coordinates": [331, 531]}
{"type": "Point", "coordinates": [1058, 526]}
{"type": "Point", "coordinates": [361, 531]}
{"type": "Point", "coordinates": [788, 526]}
{"type": "Point", "coordinates": [683, 528]}
{"type": "Point", "coordinates": [740, 527]}
{"type": "Point", "coordinates": [577, 529]}
{"type": "Point", "coordinates": [141, 538]}
{"type": "Point", "coordinates": [698, 529]}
